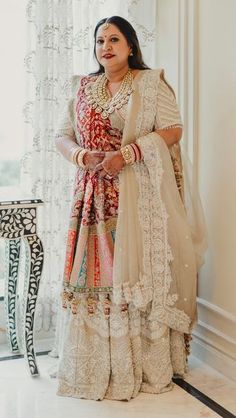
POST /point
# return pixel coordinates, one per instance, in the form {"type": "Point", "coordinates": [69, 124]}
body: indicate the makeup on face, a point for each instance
{"type": "Point", "coordinates": [110, 44]}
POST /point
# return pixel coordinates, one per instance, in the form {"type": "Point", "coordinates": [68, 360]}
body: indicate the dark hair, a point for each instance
{"type": "Point", "coordinates": [136, 60]}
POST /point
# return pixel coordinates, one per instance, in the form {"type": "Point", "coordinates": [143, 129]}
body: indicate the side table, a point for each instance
{"type": "Point", "coordinates": [17, 223]}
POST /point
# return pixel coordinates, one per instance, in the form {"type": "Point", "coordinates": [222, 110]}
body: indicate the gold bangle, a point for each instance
{"type": "Point", "coordinates": [79, 158]}
{"type": "Point", "coordinates": [128, 154]}
{"type": "Point", "coordinates": [75, 155]}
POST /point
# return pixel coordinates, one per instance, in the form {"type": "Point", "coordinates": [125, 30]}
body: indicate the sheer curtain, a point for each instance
{"type": "Point", "coordinates": [60, 43]}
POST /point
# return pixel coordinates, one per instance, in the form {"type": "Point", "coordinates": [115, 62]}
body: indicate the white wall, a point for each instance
{"type": "Point", "coordinates": [197, 41]}
{"type": "Point", "coordinates": [167, 41]}
{"type": "Point", "coordinates": [217, 152]}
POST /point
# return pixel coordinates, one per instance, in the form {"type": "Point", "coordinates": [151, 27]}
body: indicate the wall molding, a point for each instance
{"type": "Point", "coordinates": [188, 77]}
{"type": "Point", "coordinates": [214, 338]}
{"type": "Point", "coordinates": [217, 332]}
{"type": "Point", "coordinates": [214, 308]}
{"type": "Point", "coordinates": [183, 66]}
{"type": "Point", "coordinates": [217, 323]}
{"type": "Point", "coordinates": [204, 349]}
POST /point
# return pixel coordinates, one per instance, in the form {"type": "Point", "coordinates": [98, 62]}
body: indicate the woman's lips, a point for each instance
{"type": "Point", "coordinates": [108, 56]}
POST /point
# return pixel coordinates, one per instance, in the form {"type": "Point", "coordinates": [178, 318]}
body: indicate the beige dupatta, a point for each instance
{"type": "Point", "coordinates": [155, 255]}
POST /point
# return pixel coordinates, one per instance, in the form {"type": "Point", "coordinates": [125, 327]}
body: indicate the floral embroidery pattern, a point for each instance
{"type": "Point", "coordinates": [94, 207]}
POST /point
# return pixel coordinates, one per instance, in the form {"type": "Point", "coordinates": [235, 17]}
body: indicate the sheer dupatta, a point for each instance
{"type": "Point", "coordinates": [157, 251]}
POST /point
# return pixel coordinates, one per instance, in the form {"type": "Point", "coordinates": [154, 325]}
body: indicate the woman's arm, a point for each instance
{"type": "Point", "coordinates": [65, 139]}
{"type": "Point", "coordinates": [67, 146]}
{"type": "Point", "coordinates": [168, 122]}
{"type": "Point", "coordinates": [168, 125]}
{"type": "Point", "coordinates": [171, 136]}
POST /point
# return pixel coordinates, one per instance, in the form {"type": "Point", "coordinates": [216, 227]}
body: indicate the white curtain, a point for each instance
{"type": "Point", "coordinates": [60, 43]}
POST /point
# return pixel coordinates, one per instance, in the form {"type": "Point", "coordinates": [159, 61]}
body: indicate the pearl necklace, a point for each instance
{"type": "Point", "coordinates": [100, 101]}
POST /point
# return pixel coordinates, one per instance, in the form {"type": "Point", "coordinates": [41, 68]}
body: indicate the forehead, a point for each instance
{"type": "Point", "coordinates": [111, 30]}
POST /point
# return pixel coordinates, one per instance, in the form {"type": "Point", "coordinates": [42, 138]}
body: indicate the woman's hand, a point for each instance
{"type": "Point", "coordinates": [92, 158]}
{"type": "Point", "coordinates": [171, 136]}
{"type": "Point", "coordinates": [111, 165]}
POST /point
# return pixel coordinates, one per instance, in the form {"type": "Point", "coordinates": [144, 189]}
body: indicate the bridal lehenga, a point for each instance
{"type": "Point", "coordinates": [135, 245]}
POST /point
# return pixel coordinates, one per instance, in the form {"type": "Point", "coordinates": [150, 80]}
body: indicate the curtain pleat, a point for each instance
{"type": "Point", "coordinates": [60, 44]}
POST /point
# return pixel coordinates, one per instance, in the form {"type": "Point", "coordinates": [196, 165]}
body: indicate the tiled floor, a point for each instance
{"type": "Point", "coordinates": [212, 384]}
{"type": "Point", "coordinates": [22, 396]}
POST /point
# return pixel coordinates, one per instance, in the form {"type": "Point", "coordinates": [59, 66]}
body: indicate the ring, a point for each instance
{"type": "Point", "coordinates": [109, 176]}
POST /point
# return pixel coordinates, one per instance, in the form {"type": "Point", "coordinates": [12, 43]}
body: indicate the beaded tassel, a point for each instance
{"type": "Point", "coordinates": [66, 297]}
{"type": "Point", "coordinates": [74, 305]}
{"type": "Point", "coordinates": [124, 307]}
{"type": "Point", "coordinates": [91, 303]}
{"type": "Point", "coordinates": [106, 306]}
{"type": "Point", "coordinates": [187, 339]}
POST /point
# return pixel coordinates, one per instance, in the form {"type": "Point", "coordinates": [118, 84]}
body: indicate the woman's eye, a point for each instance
{"type": "Point", "coordinates": [113, 40]}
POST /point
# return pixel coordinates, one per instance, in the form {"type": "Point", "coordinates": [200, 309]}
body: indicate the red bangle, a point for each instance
{"type": "Point", "coordinates": [138, 155]}
{"type": "Point", "coordinates": [139, 152]}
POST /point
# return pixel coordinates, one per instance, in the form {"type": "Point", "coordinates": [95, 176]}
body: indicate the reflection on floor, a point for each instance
{"type": "Point", "coordinates": [22, 396]}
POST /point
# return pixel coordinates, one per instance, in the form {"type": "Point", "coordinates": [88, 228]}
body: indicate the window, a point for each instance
{"type": "Point", "coordinates": [12, 87]}
{"type": "Point", "coordinates": [12, 97]}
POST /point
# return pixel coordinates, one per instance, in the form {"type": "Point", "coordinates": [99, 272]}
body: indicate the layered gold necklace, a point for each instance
{"type": "Point", "coordinates": [99, 99]}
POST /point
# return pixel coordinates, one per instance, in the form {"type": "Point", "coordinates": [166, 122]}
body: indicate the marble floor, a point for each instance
{"type": "Point", "coordinates": [22, 396]}
{"type": "Point", "coordinates": [213, 384]}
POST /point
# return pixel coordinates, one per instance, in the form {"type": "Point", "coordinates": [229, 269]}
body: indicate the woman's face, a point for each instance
{"type": "Point", "coordinates": [112, 49]}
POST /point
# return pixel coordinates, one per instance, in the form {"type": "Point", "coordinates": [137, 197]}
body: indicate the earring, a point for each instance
{"type": "Point", "coordinates": [131, 54]}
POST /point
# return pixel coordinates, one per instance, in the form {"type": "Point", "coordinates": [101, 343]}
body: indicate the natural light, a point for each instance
{"type": "Point", "coordinates": [12, 87]}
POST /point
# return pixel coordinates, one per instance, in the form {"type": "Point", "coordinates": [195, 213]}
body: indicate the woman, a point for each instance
{"type": "Point", "coordinates": [131, 261]}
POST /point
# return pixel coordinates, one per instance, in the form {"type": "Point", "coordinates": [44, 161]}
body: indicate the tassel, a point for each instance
{"type": "Point", "coordinates": [124, 307]}
{"type": "Point", "coordinates": [74, 305]}
{"type": "Point", "coordinates": [106, 306]}
{"type": "Point", "coordinates": [91, 303]}
{"type": "Point", "coordinates": [64, 299]}
{"type": "Point", "coordinates": [187, 339]}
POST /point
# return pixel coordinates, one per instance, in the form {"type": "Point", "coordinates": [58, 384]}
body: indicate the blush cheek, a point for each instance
{"type": "Point", "coordinates": [98, 53]}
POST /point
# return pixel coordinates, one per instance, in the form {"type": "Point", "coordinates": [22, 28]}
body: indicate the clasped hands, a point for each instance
{"type": "Point", "coordinates": [106, 164]}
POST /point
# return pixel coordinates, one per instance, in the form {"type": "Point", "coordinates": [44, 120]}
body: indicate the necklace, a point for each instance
{"type": "Point", "coordinates": [99, 99]}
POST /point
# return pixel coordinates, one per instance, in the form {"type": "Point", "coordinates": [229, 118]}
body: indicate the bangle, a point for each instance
{"type": "Point", "coordinates": [79, 158]}
{"type": "Point", "coordinates": [128, 154]}
{"type": "Point", "coordinates": [137, 151]}
{"type": "Point", "coordinates": [75, 155]}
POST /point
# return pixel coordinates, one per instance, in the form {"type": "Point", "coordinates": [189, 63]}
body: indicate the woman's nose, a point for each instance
{"type": "Point", "coordinates": [107, 46]}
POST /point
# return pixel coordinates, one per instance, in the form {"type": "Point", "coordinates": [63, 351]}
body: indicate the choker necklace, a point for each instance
{"type": "Point", "coordinates": [99, 99]}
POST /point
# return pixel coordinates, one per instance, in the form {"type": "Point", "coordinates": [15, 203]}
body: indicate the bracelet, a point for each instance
{"type": "Point", "coordinates": [128, 154]}
{"type": "Point", "coordinates": [79, 158]}
{"type": "Point", "coordinates": [137, 151]}
{"type": "Point", "coordinates": [75, 155]}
